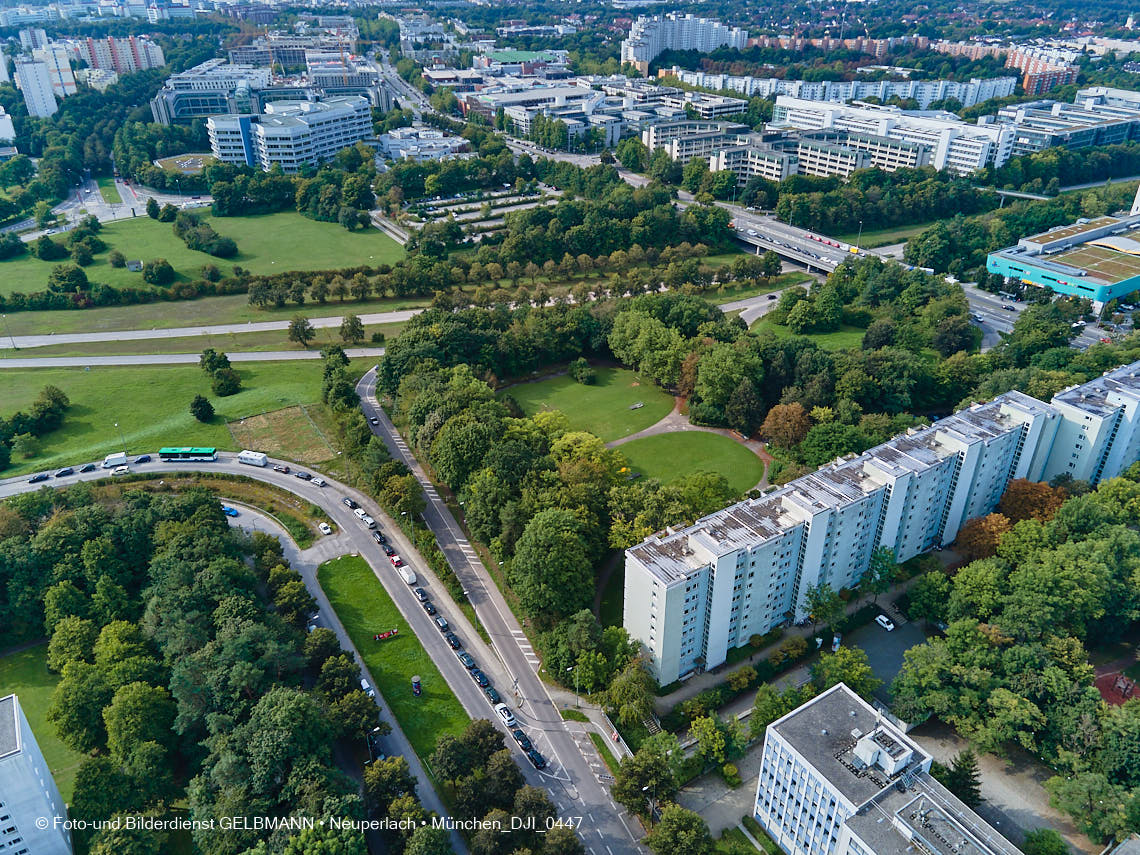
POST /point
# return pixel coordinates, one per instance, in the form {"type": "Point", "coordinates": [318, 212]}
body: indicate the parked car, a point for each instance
{"type": "Point", "coordinates": [492, 694]}
{"type": "Point", "coordinates": [441, 624]}
{"type": "Point", "coordinates": [480, 678]}
{"type": "Point", "coordinates": [278, 467]}
{"type": "Point", "coordinates": [506, 715]}
{"type": "Point", "coordinates": [465, 659]}
{"type": "Point", "coordinates": [90, 467]}
{"type": "Point", "coordinates": [429, 607]}
{"type": "Point", "coordinates": [453, 640]}
{"type": "Point", "coordinates": [228, 511]}
{"type": "Point", "coordinates": [324, 528]}
{"type": "Point", "coordinates": [38, 477]}
{"type": "Point", "coordinates": [522, 739]}
{"type": "Point", "coordinates": [368, 690]}
{"type": "Point", "coordinates": [142, 458]}
{"type": "Point", "coordinates": [374, 420]}
{"type": "Point", "coordinates": [421, 594]}
{"type": "Point", "coordinates": [64, 472]}
{"type": "Point", "coordinates": [348, 502]}
{"type": "Point", "coordinates": [320, 482]}
{"type": "Point", "coordinates": [118, 470]}
{"type": "Point", "coordinates": [885, 622]}
{"type": "Point", "coordinates": [389, 550]}
{"type": "Point", "coordinates": [304, 476]}
{"type": "Point", "coordinates": [536, 759]}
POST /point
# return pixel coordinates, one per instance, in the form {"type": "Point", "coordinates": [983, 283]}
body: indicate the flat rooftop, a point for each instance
{"type": "Point", "coordinates": [1104, 264]}
{"type": "Point", "coordinates": [9, 725]}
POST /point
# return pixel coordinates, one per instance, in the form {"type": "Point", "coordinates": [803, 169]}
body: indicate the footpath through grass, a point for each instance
{"type": "Point", "coordinates": [669, 456]}
{"type": "Point", "coordinates": [26, 675]}
{"type": "Point", "coordinates": [365, 609]}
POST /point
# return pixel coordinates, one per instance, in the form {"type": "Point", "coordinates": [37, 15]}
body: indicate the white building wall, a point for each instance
{"type": "Point", "coordinates": [35, 85]}
{"type": "Point", "coordinates": [28, 793]}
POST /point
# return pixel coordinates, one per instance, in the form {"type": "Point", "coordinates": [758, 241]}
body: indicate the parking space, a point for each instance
{"type": "Point", "coordinates": [885, 649]}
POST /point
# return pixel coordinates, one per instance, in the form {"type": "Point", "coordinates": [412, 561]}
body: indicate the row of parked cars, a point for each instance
{"type": "Point", "coordinates": [40, 477]}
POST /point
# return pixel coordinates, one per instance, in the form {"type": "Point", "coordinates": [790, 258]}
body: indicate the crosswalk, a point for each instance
{"type": "Point", "coordinates": [528, 651]}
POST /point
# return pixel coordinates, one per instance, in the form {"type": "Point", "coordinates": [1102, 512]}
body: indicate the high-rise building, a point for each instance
{"type": "Point", "coordinates": [7, 129]}
{"type": "Point", "coordinates": [120, 55]}
{"type": "Point", "coordinates": [58, 64]}
{"type": "Point", "coordinates": [28, 794]}
{"type": "Point", "coordinates": [5, 77]}
{"type": "Point", "coordinates": [651, 36]}
{"type": "Point", "coordinates": [694, 593]}
{"type": "Point", "coordinates": [32, 38]}
{"type": "Point", "coordinates": [35, 85]}
{"type": "Point", "coordinates": [838, 778]}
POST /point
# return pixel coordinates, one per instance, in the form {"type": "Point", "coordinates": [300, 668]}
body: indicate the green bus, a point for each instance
{"type": "Point", "coordinates": [200, 455]}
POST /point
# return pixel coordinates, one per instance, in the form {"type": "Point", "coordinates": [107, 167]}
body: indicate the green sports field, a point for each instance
{"type": "Point", "coordinates": [602, 409]}
{"type": "Point", "coordinates": [268, 243]}
{"type": "Point", "coordinates": [669, 456]}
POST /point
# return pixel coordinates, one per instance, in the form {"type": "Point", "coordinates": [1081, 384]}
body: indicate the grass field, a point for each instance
{"type": "Point", "coordinates": [602, 409]}
{"type": "Point", "coordinates": [188, 164]}
{"type": "Point", "coordinates": [884, 237]}
{"type": "Point", "coordinates": [289, 432]}
{"type": "Point", "coordinates": [843, 338]}
{"type": "Point", "coordinates": [25, 673]}
{"type": "Point", "coordinates": [268, 243]}
{"type": "Point", "coordinates": [728, 294]}
{"type": "Point", "coordinates": [365, 608]}
{"type": "Point", "coordinates": [669, 456]}
{"type": "Point", "coordinates": [151, 406]}
{"type": "Point", "coordinates": [108, 190]}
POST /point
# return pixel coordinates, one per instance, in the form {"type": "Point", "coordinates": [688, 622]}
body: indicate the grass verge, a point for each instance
{"type": "Point", "coordinates": [604, 750]}
{"type": "Point", "coordinates": [613, 598]}
{"type": "Point", "coordinates": [733, 842]}
{"type": "Point", "coordinates": [108, 190]}
{"type": "Point", "coordinates": [364, 608]}
{"type": "Point", "coordinates": [844, 338]}
{"type": "Point", "coordinates": [757, 831]}
{"type": "Point", "coordinates": [575, 715]}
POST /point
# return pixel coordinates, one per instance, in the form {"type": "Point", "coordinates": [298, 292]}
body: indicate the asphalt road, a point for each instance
{"type": "Point", "coordinates": [535, 713]}
{"type": "Point", "coordinates": [173, 358]}
{"type": "Point", "coordinates": [604, 826]}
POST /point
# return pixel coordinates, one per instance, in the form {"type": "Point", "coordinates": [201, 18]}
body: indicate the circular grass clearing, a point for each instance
{"type": "Point", "coordinates": [602, 409]}
{"type": "Point", "coordinates": [669, 456]}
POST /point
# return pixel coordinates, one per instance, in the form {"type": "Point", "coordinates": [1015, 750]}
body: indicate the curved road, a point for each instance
{"type": "Point", "coordinates": [544, 729]}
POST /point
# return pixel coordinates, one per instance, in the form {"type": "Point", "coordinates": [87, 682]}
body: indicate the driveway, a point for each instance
{"type": "Point", "coordinates": [718, 804]}
{"type": "Point", "coordinates": [885, 649]}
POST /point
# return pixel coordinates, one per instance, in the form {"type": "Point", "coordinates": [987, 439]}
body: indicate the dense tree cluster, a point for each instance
{"type": "Point", "coordinates": [202, 237]}
{"type": "Point", "coordinates": [20, 432]}
{"type": "Point", "coordinates": [1049, 170]}
{"type": "Point", "coordinates": [138, 144]}
{"type": "Point", "coordinates": [1012, 668]}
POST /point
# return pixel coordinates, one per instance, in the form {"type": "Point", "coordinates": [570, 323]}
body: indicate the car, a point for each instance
{"type": "Point", "coordinates": [465, 659]}
{"type": "Point", "coordinates": [377, 537]}
{"type": "Point", "coordinates": [429, 607]}
{"type": "Point", "coordinates": [37, 478]}
{"type": "Point", "coordinates": [360, 512]}
{"type": "Point", "coordinates": [506, 715]}
{"type": "Point", "coordinates": [480, 678]}
{"type": "Point", "coordinates": [64, 472]}
{"type": "Point", "coordinates": [90, 467]}
{"type": "Point", "coordinates": [324, 528]}
{"type": "Point", "coordinates": [368, 690]}
{"type": "Point", "coordinates": [304, 476]}
{"type": "Point", "coordinates": [885, 622]}
{"type": "Point", "coordinates": [281, 468]}
{"type": "Point", "coordinates": [320, 482]}
{"type": "Point", "coordinates": [421, 594]}
{"type": "Point", "coordinates": [120, 470]}
{"type": "Point", "coordinates": [1009, 308]}
{"type": "Point", "coordinates": [536, 759]}
{"type": "Point", "coordinates": [752, 232]}
{"type": "Point", "coordinates": [441, 624]}
{"type": "Point", "coordinates": [389, 550]}
{"type": "Point", "coordinates": [142, 458]}
{"type": "Point", "coordinates": [396, 560]}
{"type": "Point", "coordinates": [771, 296]}
{"type": "Point", "coordinates": [374, 420]}
{"type": "Point", "coordinates": [453, 640]}
{"type": "Point", "coordinates": [228, 511]}
{"type": "Point", "coordinates": [522, 739]}
{"type": "Point", "coordinates": [492, 695]}
{"type": "Point", "coordinates": [368, 521]}
{"type": "Point", "coordinates": [348, 502]}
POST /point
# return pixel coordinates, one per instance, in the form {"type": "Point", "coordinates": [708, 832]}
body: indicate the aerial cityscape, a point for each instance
{"type": "Point", "coordinates": [609, 427]}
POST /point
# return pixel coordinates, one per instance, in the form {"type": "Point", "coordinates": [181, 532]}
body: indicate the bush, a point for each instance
{"type": "Point", "coordinates": [582, 372]}
{"type": "Point", "coordinates": [48, 250]}
{"type": "Point", "coordinates": [11, 245]}
{"type": "Point", "coordinates": [67, 279]}
{"type": "Point", "coordinates": [158, 272]}
{"type": "Point", "coordinates": [377, 338]}
{"type": "Point", "coordinates": [201, 409]}
{"type": "Point", "coordinates": [117, 259]}
{"type": "Point", "coordinates": [731, 775]}
{"type": "Point", "coordinates": [225, 382]}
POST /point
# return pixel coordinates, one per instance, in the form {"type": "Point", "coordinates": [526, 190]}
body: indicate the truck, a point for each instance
{"type": "Point", "coordinates": [253, 458]}
{"type": "Point", "coordinates": [408, 574]}
{"type": "Point", "coordinates": [113, 461]}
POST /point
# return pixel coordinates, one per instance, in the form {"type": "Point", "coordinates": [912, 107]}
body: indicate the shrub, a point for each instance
{"type": "Point", "coordinates": [731, 775]}
{"type": "Point", "coordinates": [225, 382]}
{"type": "Point", "coordinates": [48, 250]}
{"type": "Point", "coordinates": [201, 409]}
{"type": "Point", "coordinates": [117, 259]}
{"type": "Point", "coordinates": [158, 272]}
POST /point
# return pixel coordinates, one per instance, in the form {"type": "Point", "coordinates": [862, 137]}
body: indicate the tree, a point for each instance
{"type": "Point", "coordinates": [201, 409]}
{"type": "Point", "coordinates": [385, 781]}
{"type": "Point", "coordinates": [211, 361]}
{"type": "Point", "coordinates": [846, 665]}
{"type": "Point", "coordinates": [631, 692]}
{"type": "Point", "coordinates": [711, 740]}
{"type": "Point", "coordinates": [152, 209]}
{"type": "Point", "coordinates": [1024, 499]}
{"type": "Point", "coordinates": [351, 330]}
{"type": "Point", "coordinates": [116, 259]}
{"type": "Point", "coordinates": [226, 382]}
{"type": "Point", "coordinates": [964, 779]}
{"type": "Point", "coordinates": [452, 758]}
{"type": "Point", "coordinates": [67, 279]}
{"type": "Point", "coordinates": [680, 832]}
{"type": "Point", "coordinates": [824, 605]}
{"type": "Point", "coordinates": [138, 713]}
{"type": "Point", "coordinates": [428, 840]}
{"type": "Point", "coordinates": [929, 596]}
{"type": "Point", "coordinates": [71, 641]}
{"type": "Point", "coordinates": [158, 271]}
{"type": "Point", "coordinates": [551, 571]}
{"type": "Point", "coordinates": [77, 705]}
{"type": "Point", "coordinates": [168, 213]}
{"type": "Point", "coordinates": [301, 330]}
{"type": "Point", "coordinates": [1044, 841]}
{"type": "Point", "coordinates": [786, 424]}
{"type": "Point", "coordinates": [880, 572]}
{"type": "Point", "coordinates": [980, 537]}
{"type": "Point", "coordinates": [646, 772]}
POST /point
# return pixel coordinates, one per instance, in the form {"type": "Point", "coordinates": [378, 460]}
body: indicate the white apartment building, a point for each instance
{"type": "Point", "coordinates": [650, 36]}
{"type": "Point", "coordinates": [837, 778]}
{"type": "Point", "coordinates": [32, 38]}
{"type": "Point", "coordinates": [120, 55]}
{"type": "Point", "coordinates": [58, 64]}
{"type": "Point", "coordinates": [7, 129]}
{"type": "Point", "coordinates": [27, 790]}
{"type": "Point", "coordinates": [291, 133]}
{"type": "Point", "coordinates": [4, 75]}
{"type": "Point", "coordinates": [693, 593]}
{"type": "Point", "coordinates": [706, 106]}
{"type": "Point", "coordinates": [953, 144]}
{"type": "Point", "coordinates": [35, 85]}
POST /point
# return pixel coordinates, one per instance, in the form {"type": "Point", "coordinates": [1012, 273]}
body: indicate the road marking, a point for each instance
{"type": "Point", "coordinates": [609, 850]}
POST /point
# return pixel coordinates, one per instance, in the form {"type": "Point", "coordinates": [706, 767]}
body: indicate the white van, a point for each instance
{"type": "Point", "coordinates": [408, 574]}
{"type": "Point", "coordinates": [253, 458]}
{"type": "Point", "coordinates": [367, 689]}
{"type": "Point", "coordinates": [113, 461]}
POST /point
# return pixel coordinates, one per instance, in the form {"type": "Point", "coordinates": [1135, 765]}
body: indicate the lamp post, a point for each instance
{"type": "Point", "coordinates": [577, 699]}
{"type": "Point", "coordinates": [9, 329]}
{"type": "Point", "coordinates": [121, 439]}
{"type": "Point", "coordinates": [652, 800]}
{"type": "Point", "coordinates": [859, 240]}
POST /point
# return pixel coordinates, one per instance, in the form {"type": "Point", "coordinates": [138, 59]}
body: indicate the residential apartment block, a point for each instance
{"type": "Point", "coordinates": [291, 133]}
{"type": "Point", "coordinates": [650, 36]}
{"type": "Point", "coordinates": [28, 794]}
{"type": "Point", "coordinates": [693, 593]}
{"type": "Point", "coordinates": [120, 55]}
{"type": "Point", "coordinates": [1043, 68]}
{"type": "Point", "coordinates": [34, 82]}
{"type": "Point", "coordinates": [55, 59]}
{"type": "Point", "coordinates": [837, 778]}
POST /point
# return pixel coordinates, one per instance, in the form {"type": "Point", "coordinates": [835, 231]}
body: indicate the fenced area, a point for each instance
{"type": "Point", "coordinates": [289, 433]}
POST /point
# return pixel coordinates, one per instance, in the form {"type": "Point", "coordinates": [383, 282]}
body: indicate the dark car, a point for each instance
{"type": "Point", "coordinates": [1009, 308]}
{"type": "Point", "coordinates": [142, 458]}
{"type": "Point", "coordinates": [389, 551]}
{"type": "Point", "coordinates": [374, 420]}
{"type": "Point", "coordinates": [465, 659]}
{"type": "Point", "coordinates": [480, 678]}
{"type": "Point", "coordinates": [347, 501]}
{"type": "Point", "coordinates": [453, 640]}
{"type": "Point", "coordinates": [64, 472]}
{"type": "Point", "coordinates": [521, 739]}
{"type": "Point", "coordinates": [492, 695]}
{"type": "Point", "coordinates": [35, 479]}
{"type": "Point", "coordinates": [379, 536]}
{"type": "Point", "coordinates": [421, 594]}
{"type": "Point", "coordinates": [304, 476]}
{"type": "Point", "coordinates": [441, 624]}
{"type": "Point", "coordinates": [90, 467]}
{"type": "Point", "coordinates": [429, 607]}
{"type": "Point", "coordinates": [536, 759]}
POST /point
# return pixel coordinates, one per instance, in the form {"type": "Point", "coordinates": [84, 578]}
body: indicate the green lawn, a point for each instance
{"type": "Point", "coordinates": [268, 243]}
{"type": "Point", "coordinates": [604, 408]}
{"type": "Point", "coordinates": [109, 191]}
{"type": "Point", "coordinates": [669, 456]}
{"type": "Point", "coordinates": [26, 674]}
{"type": "Point", "coordinates": [873, 238]}
{"type": "Point", "coordinates": [610, 612]}
{"type": "Point", "coordinates": [365, 609]}
{"type": "Point", "coordinates": [151, 405]}
{"type": "Point", "coordinates": [842, 339]}
{"type": "Point", "coordinates": [729, 294]}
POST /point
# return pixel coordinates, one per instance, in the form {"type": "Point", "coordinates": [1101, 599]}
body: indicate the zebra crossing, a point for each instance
{"type": "Point", "coordinates": [528, 651]}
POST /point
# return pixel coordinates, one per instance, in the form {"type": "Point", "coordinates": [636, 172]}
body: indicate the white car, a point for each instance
{"type": "Point", "coordinates": [120, 470]}
{"type": "Point", "coordinates": [367, 689]}
{"type": "Point", "coordinates": [885, 622]}
{"type": "Point", "coordinates": [505, 714]}
{"type": "Point", "coordinates": [319, 482]}
{"type": "Point", "coordinates": [324, 528]}
{"type": "Point", "coordinates": [360, 512]}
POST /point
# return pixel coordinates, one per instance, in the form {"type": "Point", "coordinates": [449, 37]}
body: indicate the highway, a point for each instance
{"type": "Point", "coordinates": [605, 827]}
{"type": "Point", "coordinates": [536, 714]}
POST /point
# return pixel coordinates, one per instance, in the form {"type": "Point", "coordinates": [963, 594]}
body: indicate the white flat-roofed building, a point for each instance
{"type": "Point", "coordinates": [838, 778]}
{"type": "Point", "coordinates": [28, 793]}
{"type": "Point", "coordinates": [749, 162]}
{"type": "Point", "coordinates": [650, 36]}
{"type": "Point", "coordinates": [420, 144]}
{"type": "Point", "coordinates": [35, 85]}
{"type": "Point", "coordinates": [7, 129]}
{"type": "Point", "coordinates": [684, 140]}
{"type": "Point", "coordinates": [58, 65]}
{"type": "Point", "coordinates": [291, 133]}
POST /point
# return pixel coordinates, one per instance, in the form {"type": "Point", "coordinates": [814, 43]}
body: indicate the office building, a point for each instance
{"type": "Point", "coordinates": [705, 106]}
{"type": "Point", "coordinates": [5, 77]}
{"type": "Point", "coordinates": [54, 57]}
{"type": "Point", "coordinates": [333, 70]}
{"type": "Point", "coordinates": [291, 134]}
{"type": "Point", "coordinates": [7, 129]}
{"type": "Point", "coordinates": [650, 36]}
{"type": "Point", "coordinates": [684, 140]}
{"type": "Point", "coordinates": [1098, 116]}
{"type": "Point", "coordinates": [748, 162]}
{"type": "Point", "coordinates": [838, 778]}
{"type": "Point", "coordinates": [35, 85]}
{"type": "Point", "coordinates": [693, 593]}
{"type": "Point", "coordinates": [122, 56]}
{"type": "Point", "coordinates": [212, 88]}
{"type": "Point", "coordinates": [420, 144]}
{"type": "Point", "coordinates": [27, 790]}
{"type": "Point", "coordinates": [953, 144]}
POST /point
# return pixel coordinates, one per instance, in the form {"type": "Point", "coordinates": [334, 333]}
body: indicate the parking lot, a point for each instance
{"type": "Point", "coordinates": [885, 649]}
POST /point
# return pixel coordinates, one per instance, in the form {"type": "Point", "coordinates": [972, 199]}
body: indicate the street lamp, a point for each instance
{"type": "Point", "coordinates": [121, 439]}
{"type": "Point", "coordinates": [859, 240]}
{"type": "Point", "coordinates": [652, 800]}
{"type": "Point", "coordinates": [577, 699]}
{"type": "Point", "coordinates": [9, 329]}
